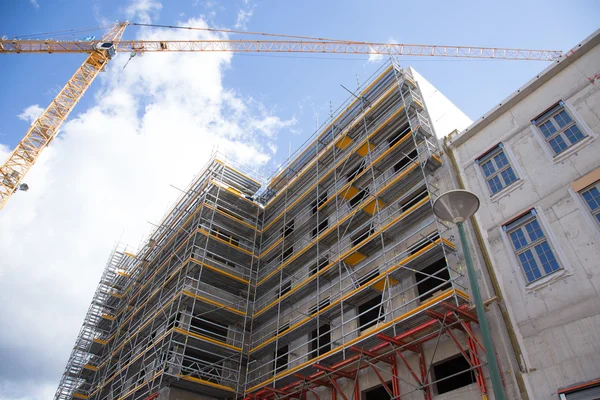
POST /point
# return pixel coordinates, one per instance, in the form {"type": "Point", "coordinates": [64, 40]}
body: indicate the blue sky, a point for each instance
{"type": "Point", "coordinates": [141, 130]}
{"type": "Point", "coordinates": [303, 85]}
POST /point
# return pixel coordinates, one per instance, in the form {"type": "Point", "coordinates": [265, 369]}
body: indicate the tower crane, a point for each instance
{"type": "Point", "coordinates": [100, 52]}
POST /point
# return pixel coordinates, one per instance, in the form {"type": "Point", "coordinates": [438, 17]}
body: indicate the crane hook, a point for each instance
{"type": "Point", "coordinates": [131, 55]}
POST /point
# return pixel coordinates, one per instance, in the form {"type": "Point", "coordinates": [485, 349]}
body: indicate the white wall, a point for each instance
{"type": "Point", "coordinates": [558, 320]}
{"type": "Point", "coordinates": [444, 115]}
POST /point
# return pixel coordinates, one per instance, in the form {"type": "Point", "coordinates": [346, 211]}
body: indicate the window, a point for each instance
{"type": "Point", "coordinates": [558, 128]}
{"type": "Point", "coordinates": [280, 362]}
{"type": "Point", "coordinates": [445, 374]}
{"type": "Point", "coordinates": [320, 228]}
{"type": "Point", "coordinates": [317, 266]}
{"type": "Point", "coordinates": [320, 341]}
{"type": "Point", "coordinates": [591, 195]}
{"type": "Point", "coordinates": [287, 253]}
{"type": "Point", "coordinates": [432, 278]}
{"type": "Point", "coordinates": [357, 170]}
{"type": "Point", "coordinates": [362, 236]}
{"type": "Point", "coordinates": [531, 247]}
{"type": "Point", "coordinates": [496, 168]}
{"type": "Point", "coordinates": [378, 392]}
{"type": "Point", "coordinates": [322, 199]}
{"type": "Point", "coordinates": [319, 306]}
{"type": "Point", "coordinates": [283, 328]}
{"type": "Point", "coordinates": [285, 287]}
{"type": "Point", "coordinates": [370, 313]}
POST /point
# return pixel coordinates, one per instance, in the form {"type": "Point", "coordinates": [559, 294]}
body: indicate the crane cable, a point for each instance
{"type": "Point", "coordinates": [64, 32]}
{"type": "Point", "coordinates": [245, 32]}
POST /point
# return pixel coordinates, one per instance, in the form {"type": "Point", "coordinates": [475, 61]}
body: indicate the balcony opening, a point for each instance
{"type": "Point", "coordinates": [398, 136]}
{"type": "Point", "coordinates": [423, 243]}
{"type": "Point", "coordinates": [360, 196]}
{"type": "Point", "coordinates": [207, 365]}
{"type": "Point", "coordinates": [220, 259]}
{"type": "Point", "coordinates": [280, 359]}
{"type": "Point", "coordinates": [356, 170]}
{"type": "Point", "coordinates": [209, 327]}
{"type": "Point", "coordinates": [288, 228]}
{"type": "Point", "coordinates": [370, 313]}
{"type": "Point", "coordinates": [407, 159]}
{"type": "Point", "coordinates": [448, 368]}
{"type": "Point", "coordinates": [413, 199]}
{"type": "Point", "coordinates": [432, 279]}
{"type": "Point", "coordinates": [367, 277]}
{"type": "Point", "coordinates": [320, 341]}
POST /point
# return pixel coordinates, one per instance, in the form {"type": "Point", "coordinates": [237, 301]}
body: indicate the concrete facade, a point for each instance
{"type": "Point", "coordinates": [553, 310]}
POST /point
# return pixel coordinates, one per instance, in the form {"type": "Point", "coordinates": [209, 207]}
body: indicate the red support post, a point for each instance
{"type": "Point", "coordinates": [461, 311]}
{"type": "Point", "coordinates": [315, 394]}
{"type": "Point", "coordinates": [337, 388]}
{"type": "Point", "coordinates": [356, 388]}
{"type": "Point", "coordinates": [333, 371]}
{"type": "Point", "coordinates": [478, 371]}
{"type": "Point", "coordinates": [397, 342]}
{"type": "Point", "coordinates": [424, 379]}
{"type": "Point", "coordinates": [412, 372]}
{"type": "Point", "coordinates": [370, 354]}
{"type": "Point", "coordinates": [467, 356]}
{"type": "Point", "coordinates": [395, 380]}
{"type": "Point", "coordinates": [383, 382]}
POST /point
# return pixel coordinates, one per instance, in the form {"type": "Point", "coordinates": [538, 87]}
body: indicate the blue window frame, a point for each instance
{"type": "Point", "coordinates": [496, 168]}
{"type": "Point", "coordinates": [591, 195]}
{"type": "Point", "coordinates": [558, 128]}
{"type": "Point", "coordinates": [531, 247]}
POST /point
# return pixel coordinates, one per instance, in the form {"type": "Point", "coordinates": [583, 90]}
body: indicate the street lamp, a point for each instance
{"type": "Point", "coordinates": [457, 206]}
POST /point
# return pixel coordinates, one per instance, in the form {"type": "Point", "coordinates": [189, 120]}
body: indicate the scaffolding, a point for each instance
{"type": "Point", "coordinates": [276, 291]}
{"type": "Point", "coordinates": [178, 312]}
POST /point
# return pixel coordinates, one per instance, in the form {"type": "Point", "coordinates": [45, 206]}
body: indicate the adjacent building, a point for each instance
{"type": "Point", "coordinates": [334, 279]}
{"type": "Point", "coordinates": [534, 162]}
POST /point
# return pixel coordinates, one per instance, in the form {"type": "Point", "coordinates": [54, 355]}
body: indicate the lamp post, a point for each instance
{"type": "Point", "coordinates": [457, 206]}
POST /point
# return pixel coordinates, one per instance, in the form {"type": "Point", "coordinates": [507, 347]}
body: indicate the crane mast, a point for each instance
{"type": "Point", "coordinates": [45, 128]}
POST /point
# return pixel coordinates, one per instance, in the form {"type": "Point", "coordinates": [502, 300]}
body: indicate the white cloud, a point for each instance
{"type": "Point", "coordinates": [31, 113]}
{"type": "Point", "coordinates": [143, 11]}
{"type": "Point", "coordinates": [243, 16]}
{"type": "Point", "coordinates": [151, 125]}
{"type": "Point", "coordinates": [376, 58]}
{"type": "Point", "coordinates": [34, 3]}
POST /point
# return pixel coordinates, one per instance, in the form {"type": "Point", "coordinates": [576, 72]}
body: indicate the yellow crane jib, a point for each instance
{"type": "Point", "coordinates": [45, 128]}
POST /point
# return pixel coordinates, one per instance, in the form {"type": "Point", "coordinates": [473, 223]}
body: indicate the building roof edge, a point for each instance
{"type": "Point", "coordinates": [457, 138]}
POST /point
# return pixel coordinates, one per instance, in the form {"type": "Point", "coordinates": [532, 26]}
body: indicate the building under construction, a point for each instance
{"type": "Point", "coordinates": [332, 280]}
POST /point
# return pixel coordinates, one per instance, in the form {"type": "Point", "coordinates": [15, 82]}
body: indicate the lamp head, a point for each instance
{"type": "Point", "coordinates": [456, 205]}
